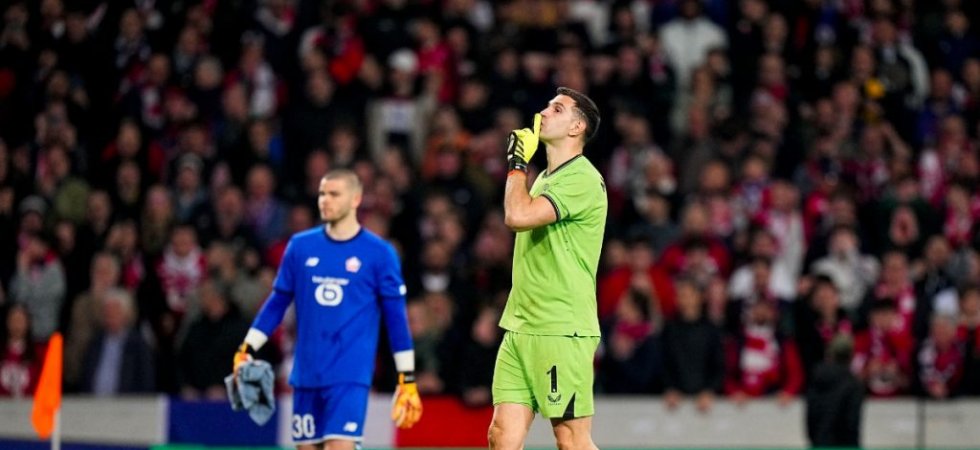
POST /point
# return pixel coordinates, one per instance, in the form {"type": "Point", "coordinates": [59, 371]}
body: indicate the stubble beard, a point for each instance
{"type": "Point", "coordinates": [339, 217]}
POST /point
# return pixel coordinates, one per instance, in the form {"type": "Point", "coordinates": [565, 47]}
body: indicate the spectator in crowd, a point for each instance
{"type": "Point", "coordinates": [117, 360]}
{"type": "Point", "coordinates": [760, 276]}
{"type": "Point", "coordinates": [639, 277]}
{"type": "Point", "coordinates": [883, 352]}
{"type": "Point", "coordinates": [849, 269]}
{"type": "Point", "coordinates": [693, 357]}
{"type": "Point", "coordinates": [631, 362]}
{"type": "Point", "coordinates": [969, 323]}
{"type": "Point", "coordinates": [940, 358]}
{"type": "Point", "coordinates": [85, 312]}
{"type": "Point", "coordinates": [820, 318]}
{"type": "Point", "coordinates": [428, 338]}
{"type": "Point", "coordinates": [935, 286]}
{"type": "Point", "coordinates": [39, 284]}
{"type": "Point", "coordinates": [760, 359]}
{"type": "Point", "coordinates": [21, 357]}
{"type": "Point", "coordinates": [688, 38]}
{"type": "Point", "coordinates": [181, 269]}
{"type": "Point", "coordinates": [123, 243]}
{"type": "Point", "coordinates": [265, 215]}
{"type": "Point", "coordinates": [211, 338]}
{"type": "Point", "coordinates": [477, 366]}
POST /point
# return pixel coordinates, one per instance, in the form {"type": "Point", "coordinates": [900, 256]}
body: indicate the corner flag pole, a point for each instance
{"type": "Point", "coordinates": [56, 435]}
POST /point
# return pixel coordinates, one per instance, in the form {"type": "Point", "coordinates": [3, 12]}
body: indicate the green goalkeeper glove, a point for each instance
{"type": "Point", "coordinates": [522, 144]}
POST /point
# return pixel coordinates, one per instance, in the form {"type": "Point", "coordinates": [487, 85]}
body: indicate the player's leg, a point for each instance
{"type": "Point", "coordinates": [509, 426]}
{"type": "Point", "coordinates": [564, 377]}
{"type": "Point", "coordinates": [573, 434]}
{"type": "Point", "coordinates": [304, 423]}
{"type": "Point", "coordinates": [346, 409]}
{"type": "Point", "coordinates": [317, 446]}
{"type": "Point", "coordinates": [514, 404]}
{"type": "Point", "coordinates": [330, 418]}
{"type": "Point", "coordinates": [338, 444]}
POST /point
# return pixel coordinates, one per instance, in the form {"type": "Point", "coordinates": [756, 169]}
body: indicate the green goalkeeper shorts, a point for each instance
{"type": "Point", "coordinates": [549, 374]}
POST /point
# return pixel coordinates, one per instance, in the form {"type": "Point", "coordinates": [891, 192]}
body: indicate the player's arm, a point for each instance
{"type": "Point", "coordinates": [521, 211]}
{"type": "Point", "coordinates": [265, 323]}
{"type": "Point", "coordinates": [406, 407]}
{"type": "Point", "coordinates": [271, 313]}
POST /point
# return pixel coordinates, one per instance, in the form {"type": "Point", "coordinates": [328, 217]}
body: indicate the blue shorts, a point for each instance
{"type": "Point", "coordinates": [332, 412]}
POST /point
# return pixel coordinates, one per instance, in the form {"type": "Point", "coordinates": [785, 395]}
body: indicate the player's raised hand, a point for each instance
{"type": "Point", "coordinates": [406, 405]}
{"type": "Point", "coordinates": [522, 144]}
{"type": "Point", "coordinates": [243, 355]}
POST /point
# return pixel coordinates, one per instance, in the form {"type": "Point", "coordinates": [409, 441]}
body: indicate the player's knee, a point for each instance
{"type": "Point", "coordinates": [339, 444]}
{"type": "Point", "coordinates": [564, 438]}
{"type": "Point", "coordinates": [500, 439]}
{"type": "Point", "coordinates": [494, 435]}
{"type": "Point", "coordinates": [568, 438]}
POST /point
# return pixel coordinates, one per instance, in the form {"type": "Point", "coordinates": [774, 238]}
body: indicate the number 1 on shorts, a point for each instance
{"type": "Point", "coordinates": [554, 378]}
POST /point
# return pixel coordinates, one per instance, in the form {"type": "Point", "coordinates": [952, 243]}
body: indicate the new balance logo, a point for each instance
{"type": "Point", "coordinates": [350, 427]}
{"type": "Point", "coordinates": [312, 261]}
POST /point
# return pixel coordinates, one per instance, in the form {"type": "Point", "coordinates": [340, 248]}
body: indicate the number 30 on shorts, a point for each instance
{"type": "Point", "coordinates": [303, 426]}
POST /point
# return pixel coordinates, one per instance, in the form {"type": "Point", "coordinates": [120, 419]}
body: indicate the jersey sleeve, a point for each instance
{"type": "Point", "coordinates": [390, 282]}
{"type": "Point", "coordinates": [285, 279]}
{"type": "Point", "coordinates": [391, 292]}
{"type": "Point", "coordinates": [573, 195]}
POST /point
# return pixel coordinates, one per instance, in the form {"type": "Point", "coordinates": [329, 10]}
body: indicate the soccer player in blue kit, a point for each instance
{"type": "Point", "coordinates": [342, 279]}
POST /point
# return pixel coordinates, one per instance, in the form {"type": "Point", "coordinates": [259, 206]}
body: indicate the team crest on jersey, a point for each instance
{"type": "Point", "coordinates": [353, 264]}
{"type": "Point", "coordinates": [312, 261]}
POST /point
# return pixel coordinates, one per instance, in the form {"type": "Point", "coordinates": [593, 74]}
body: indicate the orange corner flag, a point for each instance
{"type": "Point", "coordinates": [47, 399]}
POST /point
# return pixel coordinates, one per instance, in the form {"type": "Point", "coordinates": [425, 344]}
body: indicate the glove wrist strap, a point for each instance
{"type": "Point", "coordinates": [406, 377]}
{"type": "Point", "coordinates": [247, 349]}
{"type": "Point", "coordinates": [516, 164]}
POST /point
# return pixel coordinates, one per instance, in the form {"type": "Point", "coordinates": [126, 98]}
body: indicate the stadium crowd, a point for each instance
{"type": "Point", "coordinates": [779, 173]}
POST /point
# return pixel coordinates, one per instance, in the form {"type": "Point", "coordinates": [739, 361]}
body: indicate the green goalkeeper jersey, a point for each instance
{"type": "Point", "coordinates": [554, 277]}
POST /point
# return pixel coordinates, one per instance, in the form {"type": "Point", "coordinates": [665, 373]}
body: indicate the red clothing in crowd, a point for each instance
{"type": "Point", "coordinates": [904, 299]}
{"type": "Point", "coordinates": [616, 283]}
{"type": "Point", "coordinates": [943, 365]}
{"type": "Point", "coordinates": [180, 276]}
{"type": "Point", "coordinates": [672, 260]}
{"type": "Point", "coordinates": [18, 375]}
{"type": "Point", "coordinates": [760, 363]}
{"type": "Point", "coordinates": [875, 347]}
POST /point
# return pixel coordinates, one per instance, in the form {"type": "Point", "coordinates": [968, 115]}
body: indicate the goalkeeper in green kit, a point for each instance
{"type": "Point", "coordinates": [552, 329]}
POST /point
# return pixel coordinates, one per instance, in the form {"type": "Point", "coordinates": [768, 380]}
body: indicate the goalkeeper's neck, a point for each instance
{"type": "Point", "coordinates": [561, 152]}
{"type": "Point", "coordinates": [343, 229]}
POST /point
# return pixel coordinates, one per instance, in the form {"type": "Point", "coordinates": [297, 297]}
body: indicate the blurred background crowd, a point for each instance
{"type": "Point", "coordinates": [779, 173]}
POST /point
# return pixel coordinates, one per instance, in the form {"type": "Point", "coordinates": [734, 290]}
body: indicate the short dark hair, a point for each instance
{"type": "Point", "coordinates": [347, 175]}
{"type": "Point", "coordinates": [967, 288]}
{"type": "Point", "coordinates": [585, 106]}
{"type": "Point", "coordinates": [824, 280]}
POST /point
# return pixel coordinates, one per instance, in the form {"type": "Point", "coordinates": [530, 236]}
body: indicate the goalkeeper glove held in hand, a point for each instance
{"type": "Point", "coordinates": [406, 406]}
{"type": "Point", "coordinates": [244, 354]}
{"type": "Point", "coordinates": [522, 144]}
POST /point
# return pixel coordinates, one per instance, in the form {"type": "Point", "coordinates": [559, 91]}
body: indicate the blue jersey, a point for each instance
{"type": "Point", "coordinates": [340, 289]}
